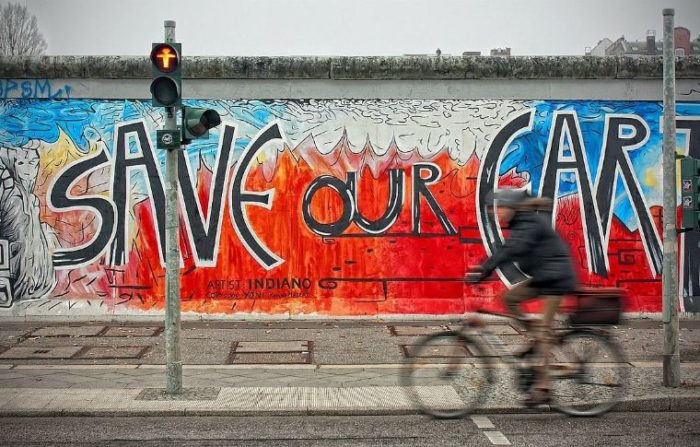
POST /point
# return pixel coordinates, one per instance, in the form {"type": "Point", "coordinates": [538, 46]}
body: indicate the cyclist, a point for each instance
{"type": "Point", "coordinates": [544, 256]}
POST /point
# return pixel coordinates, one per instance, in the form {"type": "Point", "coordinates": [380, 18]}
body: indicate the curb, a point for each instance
{"type": "Point", "coordinates": [658, 404]}
{"type": "Point", "coordinates": [642, 405]}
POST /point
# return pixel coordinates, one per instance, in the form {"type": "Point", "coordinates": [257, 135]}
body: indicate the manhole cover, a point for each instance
{"type": "Point", "coordinates": [269, 358]}
{"type": "Point", "coordinates": [114, 331]}
{"type": "Point", "coordinates": [109, 352]}
{"type": "Point", "coordinates": [437, 351]}
{"type": "Point", "coordinates": [69, 331]}
{"type": "Point", "coordinates": [271, 352]}
{"type": "Point", "coordinates": [209, 393]}
{"type": "Point", "coordinates": [401, 331]}
{"type": "Point", "coordinates": [29, 353]}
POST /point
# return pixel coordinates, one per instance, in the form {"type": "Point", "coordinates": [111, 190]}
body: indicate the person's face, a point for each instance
{"type": "Point", "coordinates": [27, 165]}
{"type": "Point", "coordinates": [505, 214]}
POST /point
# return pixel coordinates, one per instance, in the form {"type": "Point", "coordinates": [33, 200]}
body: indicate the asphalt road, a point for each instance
{"type": "Point", "coordinates": [638, 429]}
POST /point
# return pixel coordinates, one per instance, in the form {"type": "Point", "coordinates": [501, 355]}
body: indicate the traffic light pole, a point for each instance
{"type": "Point", "coordinates": [173, 370]}
{"type": "Point", "coordinates": [672, 365]}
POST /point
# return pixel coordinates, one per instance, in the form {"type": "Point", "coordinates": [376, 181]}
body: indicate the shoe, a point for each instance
{"type": "Point", "coordinates": [539, 396]}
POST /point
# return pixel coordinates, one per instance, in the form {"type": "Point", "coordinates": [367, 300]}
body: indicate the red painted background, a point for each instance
{"type": "Point", "coordinates": [356, 274]}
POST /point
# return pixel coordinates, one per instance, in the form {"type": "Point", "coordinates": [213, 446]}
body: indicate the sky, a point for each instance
{"type": "Point", "coordinates": [350, 27]}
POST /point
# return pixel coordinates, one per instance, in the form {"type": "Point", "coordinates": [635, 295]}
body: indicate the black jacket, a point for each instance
{"type": "Point", "coordinates": [540, 253]}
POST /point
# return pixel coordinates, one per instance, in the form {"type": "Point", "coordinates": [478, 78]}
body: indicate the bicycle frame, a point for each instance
{"type": "Point", "coordinates": [496, 345]}
{"type": "Point", "coordinates": [501, 351]}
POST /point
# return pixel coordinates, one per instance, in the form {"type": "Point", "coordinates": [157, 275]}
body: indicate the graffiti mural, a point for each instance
{"type": "Point", "coordinates": [333, 207]}
{"type": "Point", "coordinates": [25, 244]}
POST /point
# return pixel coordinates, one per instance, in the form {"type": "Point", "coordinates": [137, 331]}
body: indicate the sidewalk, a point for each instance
{"type": "Point", "coordinates": [290, 367]}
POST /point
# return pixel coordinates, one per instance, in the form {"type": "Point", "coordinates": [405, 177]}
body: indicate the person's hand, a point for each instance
{"type": "Point", "coordinates": [476, 274]}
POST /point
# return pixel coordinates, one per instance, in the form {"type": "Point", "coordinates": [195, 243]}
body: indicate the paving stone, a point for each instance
{"type": "Point", "coordinates": [497, 329]}
{"type": "Point", "coordinates": [110, 352]}
{"type": "Point", "coordinates": [115, 331]}
{"type": "Point", "coordinates": [209, 393]}
{"type": "Point", "coordinates": [11, 376]}
{"type": "Point", "coordinates": [68, 331]}
{"type": "Point", "coordinates": [32, 383]}
{"type": "Point", "coordinates": [10, 337]}
{"type": "Point", "coordinates": [134, 372]}
{"type": "Point", "coordinates": [270, 358]}
{"type": "Point", "coordinates": [373, 381]}
{"type": "Point", "coordinates": [214, 376]}
{"type": "Point", "coordinates": [513, 339]}
{"type": "Point", "coordinates": [437, 351]}
{"type": "Point", "coordinates": [273, 346]}
{"type": "Point", "coordinates": [22, 352]}
{"type": "Point", "coordinates": [412, 331]}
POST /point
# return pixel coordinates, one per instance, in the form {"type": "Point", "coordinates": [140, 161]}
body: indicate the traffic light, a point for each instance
{"type": "Point", "coordinates": [690, 193]}
{"type": "Point", "coordinates": [197, 122]}
{"type": "Point", "coordinates": [166, 87]}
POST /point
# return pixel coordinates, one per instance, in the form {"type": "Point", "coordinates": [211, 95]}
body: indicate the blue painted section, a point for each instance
{"type": "Point", "coordinates": [526, 153]}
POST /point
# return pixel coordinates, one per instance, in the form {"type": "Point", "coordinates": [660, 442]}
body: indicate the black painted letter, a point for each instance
{"type": "Point", "coordinates": [60, 199]}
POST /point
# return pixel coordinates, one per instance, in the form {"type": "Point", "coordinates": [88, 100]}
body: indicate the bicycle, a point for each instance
{"type": "Point", "coordinates": [587, 368]}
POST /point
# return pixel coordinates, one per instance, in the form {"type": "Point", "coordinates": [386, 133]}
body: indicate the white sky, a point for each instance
{"type": "Point", "coordinates": [350, 27]}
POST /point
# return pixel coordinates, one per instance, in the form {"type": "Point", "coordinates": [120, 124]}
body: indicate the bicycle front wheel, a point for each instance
{"type": "Point", "coordinates": [447, 374]}
{"type": "Point", "coordinates": [589, 373]}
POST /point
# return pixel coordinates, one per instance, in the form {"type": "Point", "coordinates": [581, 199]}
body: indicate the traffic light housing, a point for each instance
{"type": "Point", "coordinates": [166, 66]}
{"type": "Point", "coordinates": [196, 122]}
{"type": "Point", "coordinates": [690, 193]}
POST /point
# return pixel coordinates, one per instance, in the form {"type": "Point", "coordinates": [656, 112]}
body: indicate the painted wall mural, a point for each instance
{"type": "Point", "coordinates": [335, 207]}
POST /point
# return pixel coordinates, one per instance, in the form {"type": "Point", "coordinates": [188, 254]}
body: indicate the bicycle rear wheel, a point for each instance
{"type": "Point", "coordinates": [440, 365]}
{"type": "Point", "coordinates": [589, 373]}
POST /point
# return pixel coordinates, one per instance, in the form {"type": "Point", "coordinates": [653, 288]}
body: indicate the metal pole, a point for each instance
{"type": "Point", "coordinates": [173, 370]}
{"type": "Point", "coordinates": [672, 361]}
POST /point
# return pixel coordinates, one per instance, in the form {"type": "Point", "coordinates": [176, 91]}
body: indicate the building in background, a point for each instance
{"type": "Point", "coordinates": [501, 52]}
{"type": "Point", "coordinates": [649, 47]}
{"type": "Point", "coordinates": [599, 50]}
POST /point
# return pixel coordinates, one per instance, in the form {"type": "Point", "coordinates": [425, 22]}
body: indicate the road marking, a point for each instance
{"type": "Point", "coordinates": [482, 422]}
{"type": "Point", "coordinates": [497, 438]}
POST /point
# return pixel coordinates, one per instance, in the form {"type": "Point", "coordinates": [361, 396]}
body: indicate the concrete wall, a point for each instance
{"type": "Point", "coordinates": [374, 170]}
{"type": "Point", "coordinates": [610, 78]}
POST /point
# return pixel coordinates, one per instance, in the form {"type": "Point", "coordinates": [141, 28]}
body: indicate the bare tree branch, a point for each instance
{"type": "Point", "coordinates": [19, 32]}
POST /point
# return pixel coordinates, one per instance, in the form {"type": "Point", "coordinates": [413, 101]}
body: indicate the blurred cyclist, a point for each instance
{"type": "Point", "coordinates": [544, 256]}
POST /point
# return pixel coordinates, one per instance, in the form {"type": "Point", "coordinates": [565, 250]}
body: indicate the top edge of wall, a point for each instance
{"type": "Point", "coordinates": [353, 68]}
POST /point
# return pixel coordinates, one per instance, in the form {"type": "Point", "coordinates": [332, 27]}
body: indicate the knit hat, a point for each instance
{"type": "Point", "coordinates": [510, 198]}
